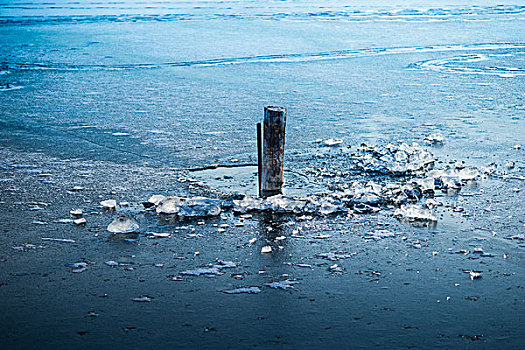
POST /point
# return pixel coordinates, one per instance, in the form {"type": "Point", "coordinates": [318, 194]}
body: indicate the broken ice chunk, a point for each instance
{"type": "Point", "coordinates": [519, 236]}
{"type": "Point", "coordinates": [427, 184]}
{"type": "Point", "coordinates": [368, 198]}
{"type": "Point", "coordinates": [142, 299]}
{"type": "Point", "coordinates": [380, 234]}
{"type": "Point", "coordinates": [169, 205]}
{"type": "Point", "coordinates": [78, 267]}
{"type": "Point", "coordinates": [321, 236]}
{"type": "Point", "coordinates": [63, 221]}
{"type": "Point", "coordinates": [330, 206]}
{"type": "Point", "coordinates": [450, 182]}
{"type": "Point", "coordinates": [154, 200]}
{"type": "Point", "coordinates": [202, 271]}
{"type": "Point", "coordinates": [200, 207]}
{"type": "Point", "coordinates": [266, 249]}
{"type": "Point", "coordinates": [280, 203]}
{"type": "Point", "coordinates": [247, 204]}
{"type": "Point", "coordinates": [432, 203]}
{"type": "Point", "coordinates": [123, 224]}
{"type": "Point", "coordinates": [222, 264]}
{"type": "Point", "coordinates": [80, 221]}
{"type": "Point", "coordinates": [248, 290]}
{"type": "Point", "coordinates": [157, 234]}
{"type": "Point", "coordinates": [468, 174]}
{"type": "Point", "coordinates": [475, 275]}
{"type": "Point", "coordinates": [109, 204]}
{"type": "Point", "coordinates": [62, 240]}
{"type": "Point", "coordinates": [24, 247]}
{"type": "Point", "coordinates": [282, 284]}
{"type": "Point", "coordinates": [334, 256]}
{"type": "Point", "coordinates": [333, 142]}
{"type": "Point", "coordinates": [434, 138]}
{"type": "Point", "coordinates": [336, 269]}
{"type": "Point", "coordinates": [489, 169]}
{"type": "Point", "coordinates": [459, 164]}
{"type": "Point", "coordinates": [414, 213]}
{"type": "Point", "coordinates": [76, 212]}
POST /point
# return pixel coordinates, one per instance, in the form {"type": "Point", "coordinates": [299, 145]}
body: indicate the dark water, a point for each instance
{"type": "Point", "coordinates": [146, 86]}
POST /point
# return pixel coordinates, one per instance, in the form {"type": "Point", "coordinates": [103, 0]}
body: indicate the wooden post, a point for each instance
{"type": "Point", "coordinates": [273, 150]}
{"type": "Point", "coordinates": [259, 157]}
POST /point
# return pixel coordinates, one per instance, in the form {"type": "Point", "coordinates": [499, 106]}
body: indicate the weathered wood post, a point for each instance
{"type": "Point", "coordinates": [273, 151]}
{"type": "Point", "coordinates": [259, 158]}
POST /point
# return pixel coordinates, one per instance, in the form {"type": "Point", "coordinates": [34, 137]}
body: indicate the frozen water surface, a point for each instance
{"type": "Point", "coordinates": [401, 222]}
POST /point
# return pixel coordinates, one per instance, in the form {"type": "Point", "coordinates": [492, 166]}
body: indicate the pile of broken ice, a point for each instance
{"type": "Point", "coordinates": [186, 207]}
{"type": "Point", "coordinates": [414, 163]}
{"type": "Point", "coordinates": [397, 160]}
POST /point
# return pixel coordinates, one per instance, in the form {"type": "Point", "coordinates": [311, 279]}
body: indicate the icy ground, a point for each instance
{"type": "Point", "coordinates": [367, 257]}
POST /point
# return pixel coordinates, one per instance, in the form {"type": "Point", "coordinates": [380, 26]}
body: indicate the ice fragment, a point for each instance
{"type": "Point", "coordinates": [282, 284]}
{"type": "Point", "coordinates": [123, 224]}
{"type": "Point", "coordinates": [80, 221]}
{"type": "Point", "coordinates": [248, 290]}
{"type": "Point", "coordinates": [109, 204]}
{"type": "Point", "coordinates": [266, 249]}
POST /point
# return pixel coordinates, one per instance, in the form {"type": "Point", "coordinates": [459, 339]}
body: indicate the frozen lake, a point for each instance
{"type": "Point", "coordinates": [149, 87]}
{"type": "Point", "coordinates": [140, 81]}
